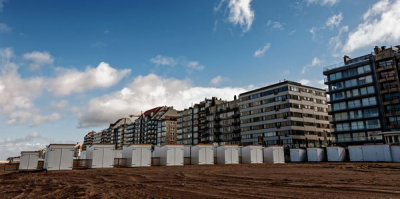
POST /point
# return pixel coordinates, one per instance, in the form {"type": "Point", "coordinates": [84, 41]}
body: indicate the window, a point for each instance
{"type": "Point", "coordinates": [351, 83]}
{"type": "Point", "coordinates": [355, 114]}
{"type": "Point", "coordinates": [335, 76]}
{"type": "Point", "coordinates": [354, 104]}
{"type": "Point", "coordinates": [357, 125]}
{"type": "Point", "coordinates": [373, 124]}
{"type": "Point", "coordinates": [359, 136]}
{"type": "Point", "coordinates": [371, 112]}
{"type": "Point", "coordinates": [336, 86]}
{"type": "Point", "coordinates": [342, 127]}
{"type": "Point", "coordinates": [341, 116]}
{"type": "Point", "coordinates": [339, 106]}
{"type": "Point", "coordinates": [369, 101]}
{"type": "Point", "coordinates": [365, 80]}
{"type": "Point", "coordinates": [338, 96]}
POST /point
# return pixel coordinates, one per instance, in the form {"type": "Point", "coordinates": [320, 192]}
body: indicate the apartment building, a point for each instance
{"type": "Point", "coordinates": [287, 113]}
{"type": "Point", "coordinates": [88, 140]}
{"type": "Point", "coordinates": [101, 137]}
{"type": "Point", "coordinates": [364, 94]}
{"type": "Point", "coordinates": [353, 91]}
{"type": "Point", "coordinates": [117, 132]}
{"type": "Point", "coordinates": [156, 126]}
{"type": "Point", "coordinates": [387, 64]}
{"type": "Point", "coordinates": [224, 122]}
{"type": "Point", "coordinates": [192, 123]}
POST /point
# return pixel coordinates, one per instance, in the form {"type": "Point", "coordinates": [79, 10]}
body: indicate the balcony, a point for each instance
{"type": "Point", "coordinates": [383, 68]}
{"type": "Point", "coordinates": [386, 78]}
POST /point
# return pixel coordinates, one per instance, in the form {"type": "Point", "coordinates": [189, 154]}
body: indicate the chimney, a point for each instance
{"type": "Point", "coordinates": [377, 50]}
{"type": "Point", "coordinates": [234, 98]}
{"type": "Point", "coordinates": [346, 59]}
{"type": "Point", "coordinates": [383, 47]}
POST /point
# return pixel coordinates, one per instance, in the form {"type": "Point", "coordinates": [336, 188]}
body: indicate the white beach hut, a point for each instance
{"type": "Point", "coordinates": [274, 155]}
{"type": "Point", "coordinates": [228, 154]}
{"type": "Point", "coordinates": [101, 155]}
{"type": "Point", "coordinates": [315, 154]}
{"type": "Point", "coordinates": [137, 155]}
{"type": "Point", "coordinates": [298, 155]}
{"type": "Point", "coordinates": [29, 160]}
{"type": "Point", "coordinates": [202, 154]}
{"type": "Point", "coordinates": [336, 154]}
{"type": "Point", "coordinates": [252, 154]}
{"type": "Point", "coordinates": [170, 155]}
{"type": "Point", "coordinates": [59, 157]}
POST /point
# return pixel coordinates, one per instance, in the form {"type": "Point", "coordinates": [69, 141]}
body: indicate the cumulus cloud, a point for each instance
{"type": "Point", "coordinates": [4, 28]}
{"type": "Point", "coordinates": [73, 81]}
{"type": "Point", "coordinates": [38, 59]}
{"type": "Point", "coordinates": [217, 80]}
{"type": "Point", "coordinates": [13, 147]}
{"type": "Point", "coordinates": [275, 25]}
{"type": "Point", "coordinates": [195, 65]}
{"type": "Point", "coordinates": [334, 21]}
{"type": "Point", "coordinates": [18, 94]}
{"type": "Point", "coordinates": [260, 52]}
{"type": "Point", "coordinates": [147, 92]}
{"type": "Point", "coordinates": [240, 12]}
{"type": "Point", "coordinates": [314, 83]}
{"type": "Point", "coordinates": [336, 42]}
{"type": "Point", "coordinates": [322, 2]}
{"type": "Point", "coordinates": [314, 63]}
{"type": "Point", "coordinates": [161, 60]}
{"type": "Point", "coordinates": [380, 25]}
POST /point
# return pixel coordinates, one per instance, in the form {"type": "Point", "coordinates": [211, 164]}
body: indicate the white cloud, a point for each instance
{"type": "Point", "coordinates": [31, 116]}
{"type": "Point", "coordinates": [74, 81]}
{"type": "Point", "coordinates": [30, 142]}
{"type": "Point", "coordinates": [160, 60]}
{"type": "Point", "coordinates": [260, 52]}
{"type": "Point", "coordinates": [313, 83]}
{"type": "Point", "coordinates": [240, 12]}
{"type": "Point", "coordinates": [147, 92]}
{"type": "Point", "coordinates": [4, 28]}
{"type": "Point", "coordinates": [18, 94]}
{"type": "Point", "coordinates": [334, 21]}
{"type": "Point", "coordinates": [275, 25]}
{"type": "Point", "coordinates": [13, 147]}
{"type": "Point", "coordinates": [314, 63]}
{"type": "Point", "coordinates": [38, 59]}
{"type": "Point", "coordinates": [380, 25]}
{"type": "Point", "coordinates": [336, 41]}
{"type": "Point", "coordinates": [217, 80]}
{"type": "Point", "coordinates": [313, 32]}
{"type": "Point", "coordinates": [195, 65]}
{"type": "Point", "coordinates": [322, 2]}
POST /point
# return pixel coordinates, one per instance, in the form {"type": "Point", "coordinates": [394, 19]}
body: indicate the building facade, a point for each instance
{"type": "Point", "coordinates": [156, 126]}
{"type": "Point", "coordinates": [387, 63]}
{"type": "Point", "coordinates": [364, 95]}
{"type": "Point", "coordinates": [200, 123]}
{"type": "Point", "coordinates": [88, 140]}
{"type": "Point", "coordinates": [117, 132]}
{"type": "Point", "coordinates": [285, 113]}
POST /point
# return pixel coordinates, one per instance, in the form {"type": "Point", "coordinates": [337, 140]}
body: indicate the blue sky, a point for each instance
{"type": "Point", "coordinates": [68, 67]}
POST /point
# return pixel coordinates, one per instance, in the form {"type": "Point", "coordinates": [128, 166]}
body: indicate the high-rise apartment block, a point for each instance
{"type": "Point", "coordinates": [210, 121]}
{"type": "Point", "coordinates": [364, 96]}
{"type": "Point", "coordinates": [156, 126]}
{"type": "Point", "coordinates": [286, 113]}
